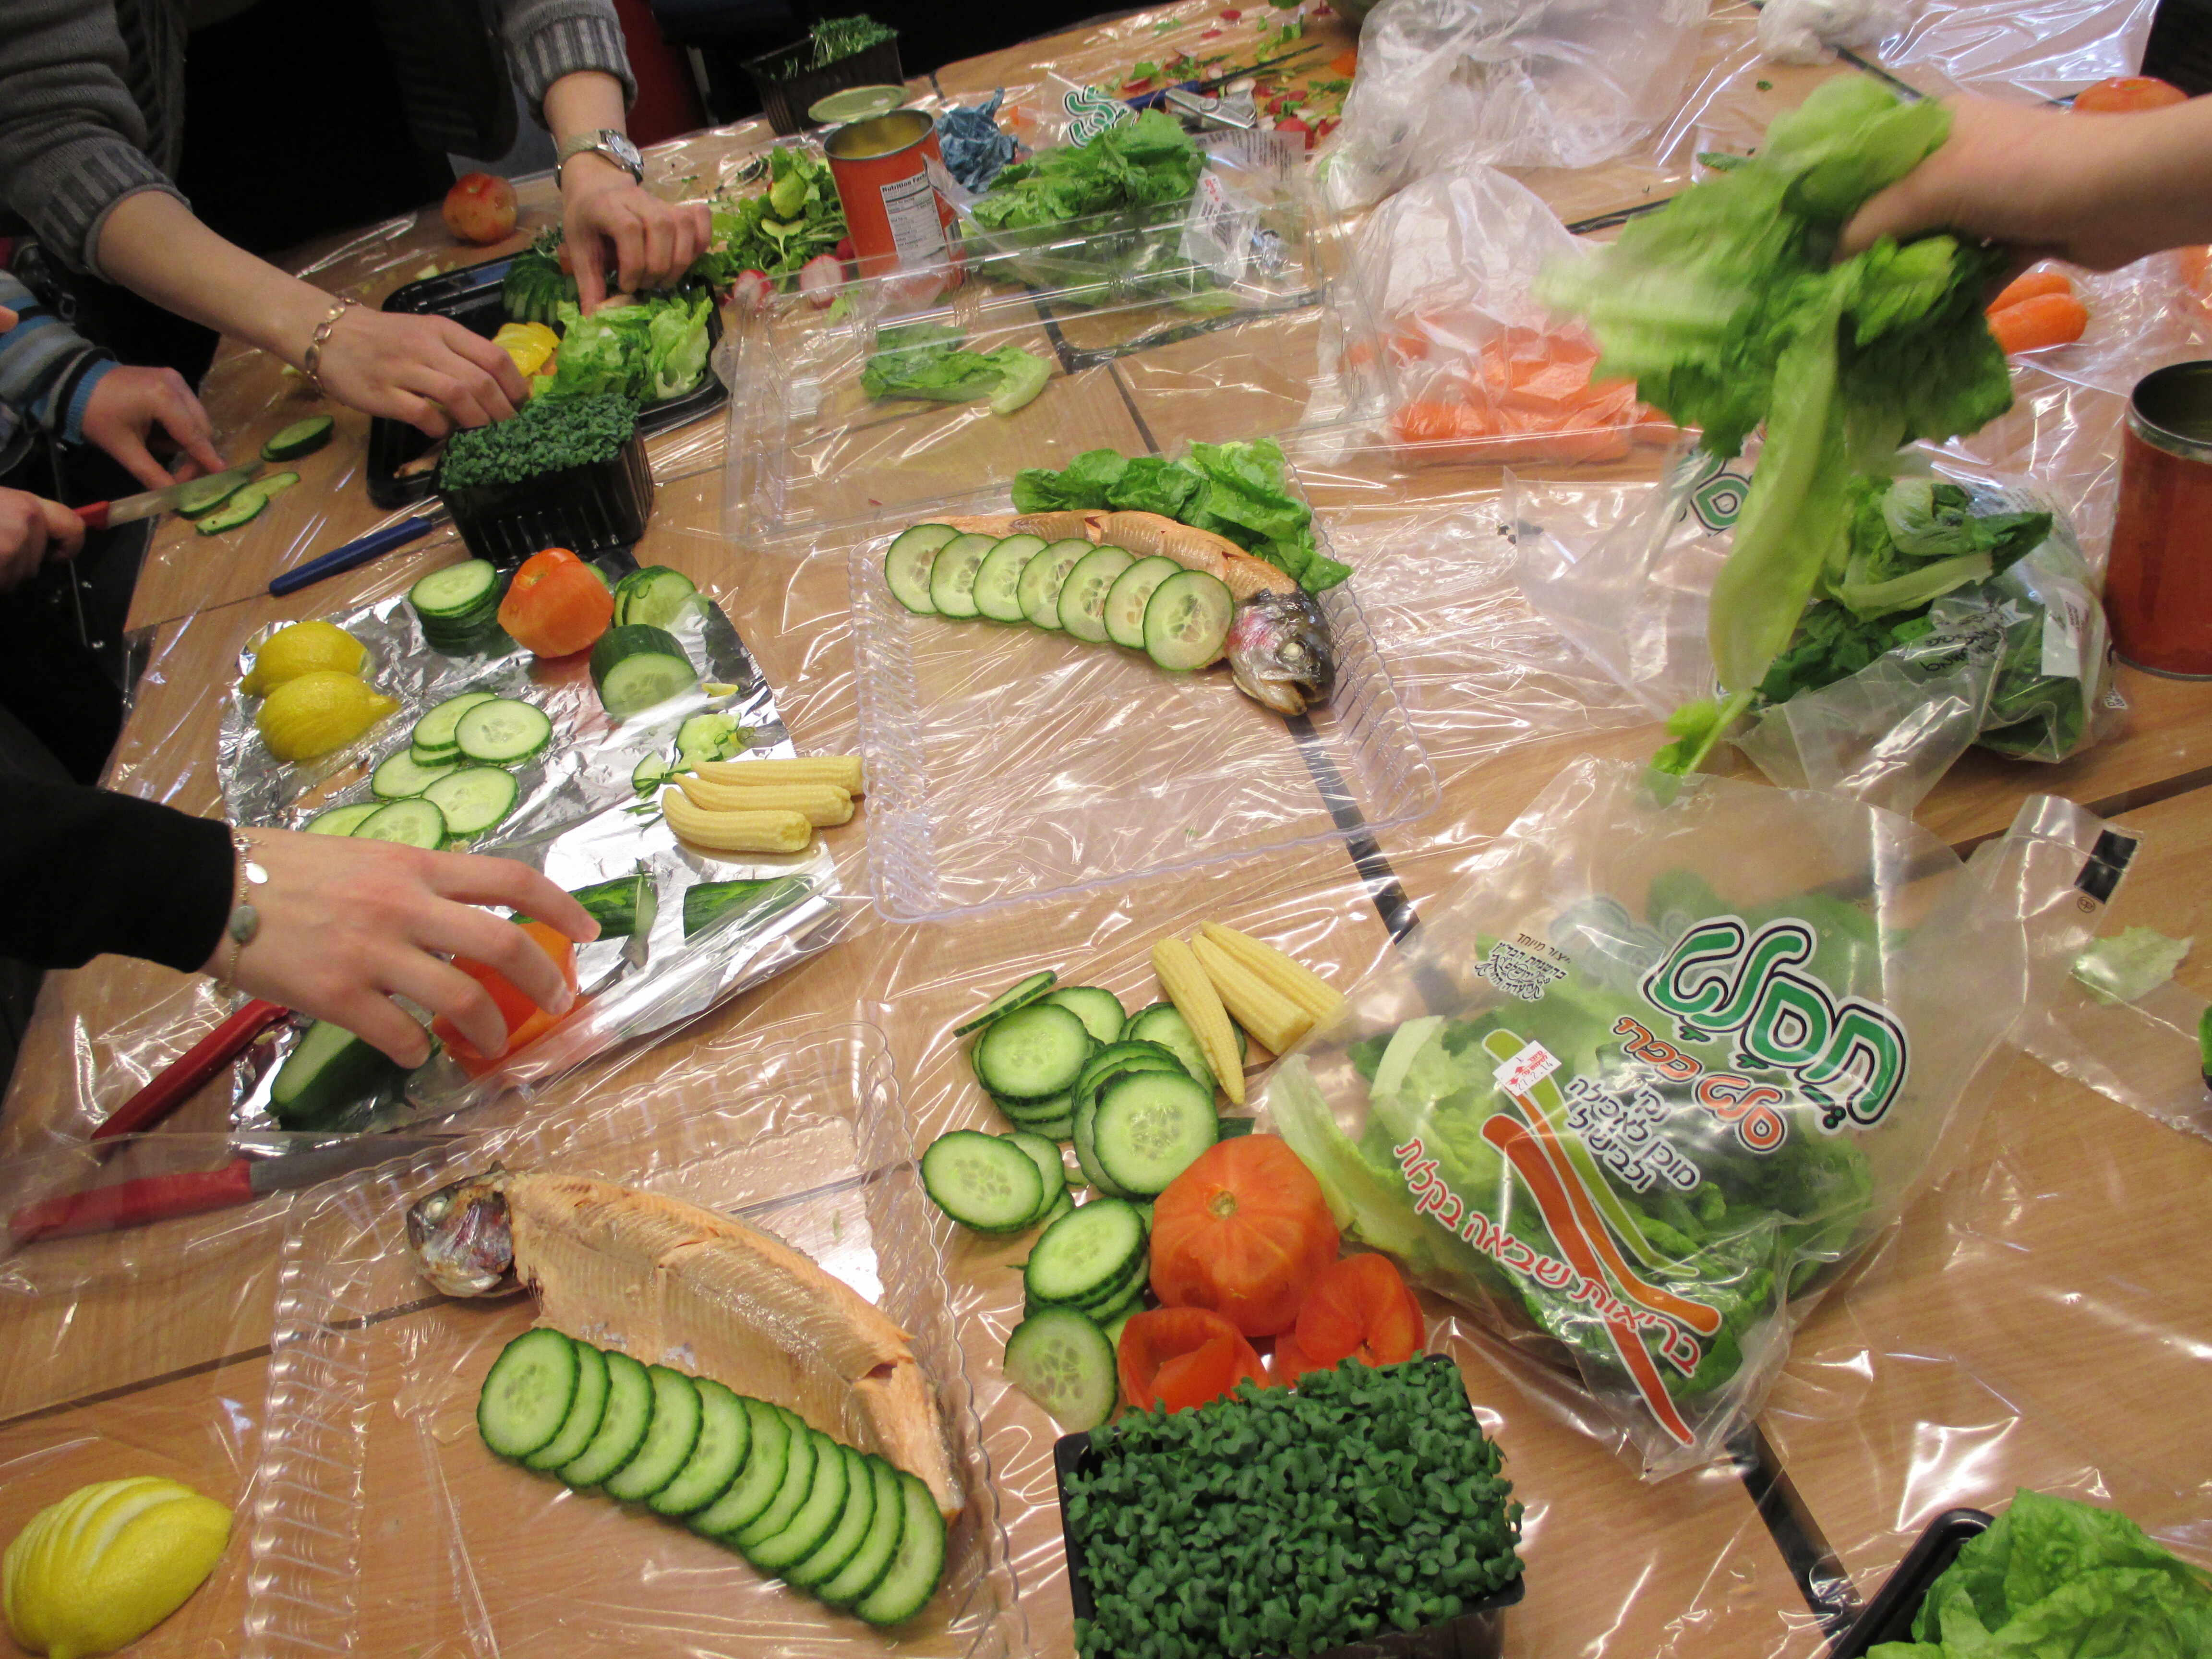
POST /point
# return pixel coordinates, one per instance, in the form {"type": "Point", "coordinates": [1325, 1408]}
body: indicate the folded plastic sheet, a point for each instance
{"type": "Point", "coordinates": [2039, 49]}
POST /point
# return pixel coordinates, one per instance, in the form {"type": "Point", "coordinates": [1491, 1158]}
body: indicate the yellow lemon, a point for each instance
{"type": "Point", "coordinates": [97, 1570]}
{"type": "Point", "coordinates": [529, 344]}
{"type": "Point", "coordinates": [301, 649]}
{"type": "Point", "coordinates": [317, 712]}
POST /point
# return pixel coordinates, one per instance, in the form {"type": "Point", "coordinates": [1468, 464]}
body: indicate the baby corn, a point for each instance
{"type": "Point", "coordinates": [1308, 990]}
{"type": "Point", "coordinates": [734, 832]}
{"type": "Point", "coordinates": [1195, 1000]}
{"type": "Point", "coordinates": [1260, 1008]}
{"type": "Point", "coordinates": [841, 771]}
{"type": "Point", "coordinates": [818, 803]}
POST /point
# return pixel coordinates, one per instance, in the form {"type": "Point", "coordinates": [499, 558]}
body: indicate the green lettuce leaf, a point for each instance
{"type": "Point", "coordinates": [2130, 964]}
{"type": "Point", "coordinates": [929, 360]}
{"type": "Point", "coordinates": [1150, 162]}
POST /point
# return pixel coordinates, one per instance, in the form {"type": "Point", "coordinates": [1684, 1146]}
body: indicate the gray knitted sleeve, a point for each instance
{"type": "Point", "coordinates": [548, 38]}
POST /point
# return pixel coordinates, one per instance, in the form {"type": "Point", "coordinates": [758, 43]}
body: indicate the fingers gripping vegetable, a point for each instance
{"type": "Point", "coordinates": [556, 606]}
{"type": "Point", "coordinates": [1244, 1232]}
{"type": "Point", "coordinates": [1180, 1357]}
{"type": "Point", "coordinates": [526, 1021]}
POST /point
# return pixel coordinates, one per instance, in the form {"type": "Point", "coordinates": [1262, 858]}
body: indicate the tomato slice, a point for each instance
{"type": "Point", "coordinates": [1183, 1357]}
{"type": "Point", "coordinates": [2123, 95]}
{"type": "Point", "coordinates": [1289, 1362]}
{"type": "Point", "coordinates": [526, 1021]}
{"type": "Point", "coordinates": [1360, 1308]}
{"type": "Point", "coordinates": [555, 605]}
{"type": "Point", "coordinates": [1243, 1232]}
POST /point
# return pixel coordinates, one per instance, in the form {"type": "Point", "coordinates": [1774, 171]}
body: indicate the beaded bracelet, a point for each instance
{"type": "Point", "coordinates": [245, 923]}
{"type": "Point", "coordinates": [312, 363]}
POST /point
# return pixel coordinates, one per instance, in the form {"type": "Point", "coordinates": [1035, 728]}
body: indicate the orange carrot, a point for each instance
{"type": "Point", "coordinates": [2028, 285]}
{"type": "Point", "coordinates": [2197, 274]}
{"type": "Point", "coordinates": [1345, 65]}
{"type": "Point", "coordinates": [2049, 319]}
{"type": "Point", "coordinates": [2125, 93]}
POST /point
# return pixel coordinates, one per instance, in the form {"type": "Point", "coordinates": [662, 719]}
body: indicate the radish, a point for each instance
{"type": "Point", "coordinates": [818, 277]}
{"type": "Point", "coordinates": [845, 250]}
{"type": "Point", "coordinates": [1291, 124]}
{"type": "Point", "coordinates": [751, 290]}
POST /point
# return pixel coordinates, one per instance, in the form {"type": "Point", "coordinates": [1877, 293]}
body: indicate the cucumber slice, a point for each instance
{"type": "Point", "coordinates": [243, 506]}
{"type": "Point", "coordinates": [1064, 1205]}
{"type": "Point", "coordinates": [460, 594]}
{"type": "Point", "coordinates": [276, 484]}
{"type": "Point", "coordinates": [341, 820]}
{"type": "Point", "coordinates": [1051, 1169]}
{"type": "Point", "coordinates": [1086, 1256]}
{"type": "Point", "coordinates": [759, 1481]}
{"type": "Point", "coordinates": [907, 567]}
{"type": "Point", "coordinates": [526, 1393]}
{"type": "Point", "coordinates": [1029, 990]}
{"type": "Point", "coordinates": [998, 584]}
{"type": "Point", "coordinates": [410, 823]}
{"type": "Point", "coordinates": [502, 732]}
{"type": "Point", "coordinates": [654, 595]}
{"type": "Point", "coordinates": [329, 1071]}
{"type": "Point", "coordinates": [1131, 591]}
{"type": "Point", "coordinates": [1042, 579]}
{"type": "Point", "coordinates": [873, 1559]}
{"type": "Point", "coordinates": [801, 1450]}
{"type": "Point", "coordinates": [983, 1182]}
{"type": "Point", "coordinates": [402, 777]}
{"type": "Point", "coordinates": [952, 576]}
{"type": "Point", "coordinates": [1064, 1363]}
{"type": "Point", "coordinates": [620, 1431]}
{"type": "Point", "coordinates": [1117, 1060]}
{"type": "Point", "coordinates": [816, 1519]}
{"type": "Point", "coordinates": [706, 902]}
{"type": "Point", "coordinates": [637, 667]}
{"type": "Point", "coordinates": [205, 495]}
{"type": "Point", "coordinates": [1083, 596]}
{"type": "Point", "coordinates": [1151, 1127]}
{"type": "Point", "coordinates": [854, 1522]}
{"type": "Point", "coordinates": [300, 438]}
{"type": "Point", "coordinates": [726, 1435]}
{"type": "Point", "coordinates": [585, 1412]}
{"type": "Point", "coordinates": [623, 907]}
{"type": "Point", "coordinates": [710, 738]}
{"type": "Point", "coordinates": [434, 734]}
{"type": "Point", "coordinates": [473, 798]}
{"type": "Point", "coordinates": [1163, 1024]}
{"type": "Point", "coordinates": [1100, 1011]}
{"type": "Point", "coordinates": [1187, 619]}
{"type": "Point", "coordinates": [919, 1562]}
{"type": "Point", "coordinates": [669, 1438]}
{"type": "Point", "coordinates": [1086, 1152]}
{"type": "Point", "coordinates": [1031, 1053]}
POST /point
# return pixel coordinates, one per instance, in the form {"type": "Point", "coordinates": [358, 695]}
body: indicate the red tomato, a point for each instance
{"type": "Point", "coordinates": [526, 1021]}
{"type": "Point", "coordinates": [1360, 1308]}
{"type": "Point", "coordinates": [2125, 93]}
{"type": "Point", "coordinates": [1182, 1356]}
{"type": "Point", "coordinates": [1289, 1362]}
{"type": "Point", "coordinates": [480, 208]}
{"type": "Point", "coordinates": [1243, 1231]}
{"type": "Point", "coordinates": [556, 606]}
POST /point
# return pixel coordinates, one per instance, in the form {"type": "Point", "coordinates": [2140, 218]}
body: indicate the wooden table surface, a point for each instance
{"type": "Point", "coordinates": [2015, 1329]}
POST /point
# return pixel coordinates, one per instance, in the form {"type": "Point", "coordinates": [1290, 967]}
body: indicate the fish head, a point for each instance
{"type": "Point", "coordinates": [1280, 652]}
{"type": "Point", "coordinates": [459, 1236]}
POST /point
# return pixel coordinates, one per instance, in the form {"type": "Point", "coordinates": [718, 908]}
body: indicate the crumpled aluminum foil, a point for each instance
{"type": "Point", "coordinates": [580, 821]}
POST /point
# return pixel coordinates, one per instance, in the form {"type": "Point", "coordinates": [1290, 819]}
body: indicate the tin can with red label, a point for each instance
{"type": "Point", "coordinates": [890, 176]}
{"type": "Point", "coordinates": [2158, 587]}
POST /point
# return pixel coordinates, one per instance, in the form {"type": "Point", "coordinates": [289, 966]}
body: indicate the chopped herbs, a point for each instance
{"type": "Point", "coordinates": [1286, 1522]}
{"type": "Point", "coordinates": [549, 434]}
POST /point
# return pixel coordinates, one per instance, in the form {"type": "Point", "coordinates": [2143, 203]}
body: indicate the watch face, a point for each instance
{"type": "Point", "coordinates": [624, 151]}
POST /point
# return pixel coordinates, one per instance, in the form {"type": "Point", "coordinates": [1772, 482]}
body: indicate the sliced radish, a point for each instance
{"type": "Point", "coordinates": [820, 277]}
{"type": "Point", "coordinates": [751, 290]}
{"type": "Point", "coordinates": [844, 250]}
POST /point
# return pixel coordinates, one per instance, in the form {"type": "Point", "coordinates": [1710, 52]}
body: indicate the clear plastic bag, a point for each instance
{"type": "Point", "coordinates": [1668, 1059]}
{"type": "Point", "coordinates": [2044, 48]}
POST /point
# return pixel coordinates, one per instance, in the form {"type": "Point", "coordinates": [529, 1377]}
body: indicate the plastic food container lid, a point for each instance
{"type": "Point", "coordinates": [855, 104]}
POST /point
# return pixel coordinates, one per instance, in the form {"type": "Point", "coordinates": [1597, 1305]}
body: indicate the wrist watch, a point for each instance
{"type": "Point", "coordinates": [605, 142]}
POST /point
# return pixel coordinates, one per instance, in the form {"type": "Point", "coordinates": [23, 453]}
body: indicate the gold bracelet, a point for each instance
{"type": "Point", "coordinates": [245, 921]}
{"type": "Point", "coordinates": [312, 363]}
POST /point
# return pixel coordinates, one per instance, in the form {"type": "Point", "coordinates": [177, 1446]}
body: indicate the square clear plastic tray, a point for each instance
{"type": "Point", "coordinates": [381, 1525]}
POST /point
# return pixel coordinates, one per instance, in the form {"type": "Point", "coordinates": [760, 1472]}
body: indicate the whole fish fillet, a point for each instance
{"type": "Point", "coordinates": [671, 1283]}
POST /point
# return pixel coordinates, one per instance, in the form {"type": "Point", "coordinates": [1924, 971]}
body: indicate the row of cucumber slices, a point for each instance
{"type": "Point", "coordinates": [1177, 617]}
{"type": "Point", "coordinates": [453, 782]}
{"type": "Point", "coordinates": [845, 1525]}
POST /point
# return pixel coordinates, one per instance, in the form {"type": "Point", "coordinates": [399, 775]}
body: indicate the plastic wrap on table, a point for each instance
{"type": "Point", "coordinates": [1540, 1111]}
{"type": "Point", "coordinates": [806, 1139]}
{"type": "Point", "coordinates": [2041, 48]}
{"type": "Point", "coordinates": [1810, 31]}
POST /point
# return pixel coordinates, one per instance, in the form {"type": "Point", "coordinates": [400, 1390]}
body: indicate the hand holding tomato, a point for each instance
{"type": "Point", "coordinates": [1243, 1231]}
{"type": "Point", "coordinates": [526, 1021]}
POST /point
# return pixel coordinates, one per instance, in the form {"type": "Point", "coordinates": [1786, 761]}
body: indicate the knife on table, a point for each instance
{"type": "Point", "coordinates": [101, 514]}
{"type": "Point", "coordinates": [175, 1082]}
{"type": "Point", "coordinates": [338, 560]}
{"type": "Point", "coordinates": [156, 1198]}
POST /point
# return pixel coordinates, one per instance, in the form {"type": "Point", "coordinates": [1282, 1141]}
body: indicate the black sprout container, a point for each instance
{"type": "Point", "coordinates": [1479, 1632]}
{"type": "Point", "coordinates": [786, 91]}
{"type": "Point", "coordinates": [587, 510]}
{"type": "Point", "coordinates": [1889, 1616]}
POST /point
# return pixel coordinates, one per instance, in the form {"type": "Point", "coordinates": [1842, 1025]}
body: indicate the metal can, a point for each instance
{"type": "Point", "coordinates": [891, 179]}
{"type": "Point", "coordinates": [2158, 586]}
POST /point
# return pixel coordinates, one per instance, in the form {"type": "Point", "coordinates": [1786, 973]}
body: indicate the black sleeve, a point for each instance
{"type": "Point", "coordinates": [87, 871]}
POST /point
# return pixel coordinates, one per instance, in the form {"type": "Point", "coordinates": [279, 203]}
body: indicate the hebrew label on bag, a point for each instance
{"type": "Point", "coordinates": [2064, 625]}
{"type": "Point", "coordinates": [1216, 232]}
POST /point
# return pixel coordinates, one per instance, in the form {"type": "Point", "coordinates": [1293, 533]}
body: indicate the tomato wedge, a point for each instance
{"type": "Point", "coordinates": [526, 1021]}
{"type": "Point", "coordinates": [1359, 1308]}
{"type": "Point", "coordinates": [555, 605]}
{"type": "Point", "coordinates": [1243, 1232]}
{"type": "Point", "coordinates": [1183, 1357]}
{"type": "Point", "coordinates": [1289, 1362]}
{"type": "Point", "coordinates": [2123, 95]}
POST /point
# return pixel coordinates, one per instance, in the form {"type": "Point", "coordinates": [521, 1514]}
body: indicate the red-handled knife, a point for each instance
{"type": "Point", "coordinates": [156, 1198]}
{"type": "Point", "coordinates": [99, 515]}
{"type": "Point", "coordinates": [182, 1077]}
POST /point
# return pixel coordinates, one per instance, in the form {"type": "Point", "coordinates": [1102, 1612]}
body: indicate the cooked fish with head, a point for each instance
{"type": "Point", "coordinates": [1280, 652]}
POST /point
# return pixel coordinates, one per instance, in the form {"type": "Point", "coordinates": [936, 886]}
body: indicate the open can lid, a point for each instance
{"type": "Point", "coordinates": [855, 104]}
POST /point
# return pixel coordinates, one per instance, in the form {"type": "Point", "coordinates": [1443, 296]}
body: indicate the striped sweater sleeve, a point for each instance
{"type": "Point", "coordinates": [548, 38]}
{"type": "Point", "coordinates": [47, 371]}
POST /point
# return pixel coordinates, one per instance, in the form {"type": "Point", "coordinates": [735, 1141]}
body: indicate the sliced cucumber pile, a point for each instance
{"type": "Point", "coordinates": [452, 782]}
{"type": "Point", "coordinates": [1179, 618]}
{"type": "Point", "coordinates": [458, 609]}
{"type": "Point", "coordinates": [845, 1525]}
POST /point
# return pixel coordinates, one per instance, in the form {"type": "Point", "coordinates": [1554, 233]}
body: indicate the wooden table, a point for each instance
{"type": "Point", "coordinates": [2015, 1329]}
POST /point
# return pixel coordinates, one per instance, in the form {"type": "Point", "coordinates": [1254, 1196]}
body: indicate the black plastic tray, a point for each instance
{"type": "Point", "coordinates": [1889, 1616]}
{"type": "Point", "coordinates": [1477, 1633]}
{"type": "Point", "coordinates": [787, 95]}
{"type": "Point", "coordinates": [471, 296]}
{"type": "Point", "coordinates": [589, 510]}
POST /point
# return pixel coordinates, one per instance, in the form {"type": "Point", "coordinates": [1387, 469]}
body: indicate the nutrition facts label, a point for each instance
{"type": "Point", "coordinates": [910, 204]}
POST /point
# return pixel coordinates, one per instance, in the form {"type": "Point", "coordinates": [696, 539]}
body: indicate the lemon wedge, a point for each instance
{"type": "Point", "coordinates": [317, 712]}
{"type": "Point", "coordinates": [97, 1570]}
{"type": "Point", "coordinates": [302, 648]}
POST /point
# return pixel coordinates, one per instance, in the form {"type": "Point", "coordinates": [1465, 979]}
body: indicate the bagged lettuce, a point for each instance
{"type": "Point", "coordinates": [1666, 1064]}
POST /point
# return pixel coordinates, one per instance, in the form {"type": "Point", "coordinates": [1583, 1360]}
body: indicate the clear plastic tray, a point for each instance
{"type": "Point", "coordinates": [1007, 763]}
{"type": "Point", "coordinates": [381, 1525]}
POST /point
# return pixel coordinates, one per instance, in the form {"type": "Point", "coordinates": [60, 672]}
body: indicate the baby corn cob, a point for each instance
{"type": "Point", "coordinates": [1195, 1000]}
{"type": "Point", "coordinates": [1260, 1008]}
{"type": "Point", "coordinates": [734, 832]}
{"type": "Point", "coordinates": [844, 771]}
{"type": "Point", "coordinates": [818, 803]}
{"type": "Point", "coordinates": [1300, 984]}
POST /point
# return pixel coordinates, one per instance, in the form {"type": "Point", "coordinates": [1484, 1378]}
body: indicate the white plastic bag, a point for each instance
{"type": "Point", "coordinates": [1808, 31]}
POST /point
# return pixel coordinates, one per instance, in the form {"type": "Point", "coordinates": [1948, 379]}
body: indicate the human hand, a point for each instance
{"type": "Point", "coordinates": [654, 241]}
{"type": "Point", "coordinates": [348, 925]}
{"type": "Point", "coordinates": [429, 372]}
{"type": "Point", "coordinates": [127, 402]}
{"type": "Point", "coordinates": [31, 531]}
